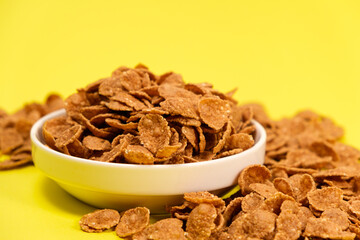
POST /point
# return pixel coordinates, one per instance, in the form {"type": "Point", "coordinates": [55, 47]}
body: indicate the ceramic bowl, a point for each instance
{"type": "Point", "coordinates": [122, 186]}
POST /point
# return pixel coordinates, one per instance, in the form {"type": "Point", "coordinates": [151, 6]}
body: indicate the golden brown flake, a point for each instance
{"type": "Point", "coordinates": [288, 226]}
{"type": "Point", "coordinates": [154, 132]}
{"type": "Point", "coordinates": [117, 106]}
{"type": "Point", "coordinates": [68, 136]}
{"type": "Point", "coordinates": [200, 222]}
{"type": "Point", "coordinates": [172, 79]}
{"type": "Point", "coordinates": [322, 199]}
{"type": "Point", "coordinates": [168, 151]}
{"type": "Point", "coordinates": [337, 216]}
{"type": "Point", "coordinates": [184, 121]}
{"type": "Point", "coordinates": [202, 139]}
{"type": "Point", "coordinates": [275, 202]}
{"type": "Point", "coordinates": [229, 153]}
{"type": "Point", "coordinates": [224, 138]}
{"type": "Point", "coordinates": [323, 228]}
{"type": "Point", "coordinates": [110, 86]}
{"type": "Point", "coordinates": [95, 143]}
{"type": "Point", "coordinates": [133, 221]}
{"type": "Point", "coordinates": [180, 106]}
{"type": "Point", "coordinates": [240, 140]}
{"type": "Point", "coordinates": [14, 163]}
{"type": "Point", "coordinates": [252, 174]}
{"type": "Point", "coordinates": [214, 112]}
{"type": "Point", "coordinates": [324, 149]}
{"type": "Point", "coordinates": [259, 223]}
{"type": "Point", "coordinates": [9, 140]}
{"type": "Point", "coordinates": [252, 202]}
{"type": "Point", "coordinates": [117, 124]}
{"type": "Point", "coordinates": [138, 154]}
{"type": "Point", "coordinates": [190, 134]}
{"type": "Point", "coordinates": [302, 184]}
{"type": "Point", "coordinates": [129, 100]}
{"type": "Point", "coordinates": [99, 220]}
{"type": "Point", "coordinates": [92, 111]}
{"type": "Point", "coordinates": [232, 209]}
{"type": "Point", "coordinates": [116, 151]}
{"type": "Point", "coordinates": [283, 185]}
{"type": "Point", "coordinates": [263, 189]}
{"type": "Point", "coordinates": [355, 207]}
{"type": "Point", "coordinates": [169, 228]}
{"type": "Point", "coordinates": [168, 91]}
{"type": "Point", "coordinates": [204, 197]}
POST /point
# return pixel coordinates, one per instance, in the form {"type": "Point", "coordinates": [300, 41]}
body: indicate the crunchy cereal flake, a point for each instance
{"type": "Point", "coordinates": [288, 226]}
{"type": "Point", "coordinates": [169, 91]}
{"type": "Point", "coordinates": [117, 106]}
{"type": "Point", "coordinates": [322, 199]}
{"type": "Point", "coordinates": [190, 134]}
{"type": "Point", "coordinates": [201, 221]}
{"type": "Point", "coordinates": [214, 112]}
{"type": "Point", "coordinates": [117, 124]}
{"type": "Point", "coordinates": [184, 121]}
{"type": "Point", "coordinates": [9, 140]}
{"type": "Point", "coordinates": [337, 216]}
{"type": "Point", "coordinates": [252, 202]}
{"type": "Point", "coordinates": [167, 151]}
{"type": "Point", "coordinates": [302, 184]}
{"type": "Point", "coordinates": [263, 189]}
{"type": "Point", "coordinates": [225, 136]}
{"type": "Point", "coordinates": [233, 208]}
{"type": "Point", "coordinates": [274, 202]}
{"type": "Point", "coordinates": [240, 140]}
{"type": "Point", "coordinates": [68, 136]}
{"type": "Point", "coordinates": [99, 220]}
{"type": "Point", "coordinates": [355, 207]}
{"type": "Point", "coordinates": [154, 132]}
{"type": "Point", "coordinates": [259, 223]}
{"type": "Point", "coordinates": [138, 154]}
{"type": "Point", "coordinates": [204, 197]}
{"type": "Point", "coordinates": [133, 221]}
{"type": "Point", "coordinates": [180, 106]}
{"type": "Point", "coordinates": [95, 143]}
{"type": "Point", "coordinates": [323, 228]}
{"type": "Point", "coordinates": [253, 174]}
{"type": "Point", "coordinates": [129, 100]}
{"type": "Point", "coordinates": [283, 185]}
{"type": "Point", "coordinates": [169, 228]}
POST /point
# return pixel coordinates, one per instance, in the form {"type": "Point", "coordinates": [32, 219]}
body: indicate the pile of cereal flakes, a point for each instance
{"type": "Point", "coordinates": [15, 131]}
{"type": "Point", "coordinates": [308, 188]}
{"type": "Point", "coordinates": [137, 117]}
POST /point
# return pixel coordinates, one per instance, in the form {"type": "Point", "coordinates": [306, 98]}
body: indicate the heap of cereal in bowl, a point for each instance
{"type": "Point", "coordinates": [135, 116]}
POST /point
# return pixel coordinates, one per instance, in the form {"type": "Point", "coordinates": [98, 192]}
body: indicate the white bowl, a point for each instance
{"type": "Point", "coordinates": [122, 186]}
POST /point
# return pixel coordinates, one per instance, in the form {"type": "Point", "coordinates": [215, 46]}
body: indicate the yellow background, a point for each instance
{"type": "Point", "coordinates": [287, 55]}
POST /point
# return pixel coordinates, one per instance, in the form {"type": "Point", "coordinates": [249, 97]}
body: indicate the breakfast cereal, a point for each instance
{"type": "Point", "coordinates": [252, 174]}
{"type": "Point", "coordinates": [322, 199]}
{"type": "Point", "coordinates": [15, 131]}
{"type": "Point", "coordinates": [200, 222]}
{"type": "Point", "coordinates": [170, 120]}
{"type": "Point", "coordinates": [133, 221]}
{"type": "Point", "coordinates": [250, 202]}
{"type": "Point", "coordinates": [308, 187]}
{"type": "Point", "coordinates": [99, 220]}
{"type": "Point", "coordinates": [169, 228]}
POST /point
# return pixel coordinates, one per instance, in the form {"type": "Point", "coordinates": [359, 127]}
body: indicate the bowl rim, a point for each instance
{"type": "Point", "coordinates": [36, 131]}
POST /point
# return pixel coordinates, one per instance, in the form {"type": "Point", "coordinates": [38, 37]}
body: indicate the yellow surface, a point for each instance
{"type": "Point", "coordinates": [288, 55]}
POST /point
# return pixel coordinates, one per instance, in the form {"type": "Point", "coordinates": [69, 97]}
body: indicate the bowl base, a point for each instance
{"type": "Point", "coordinates": [123, 202]}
